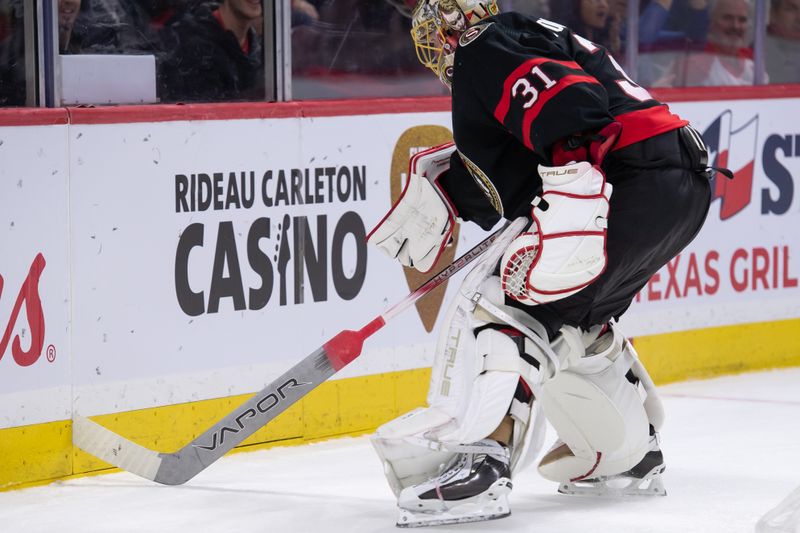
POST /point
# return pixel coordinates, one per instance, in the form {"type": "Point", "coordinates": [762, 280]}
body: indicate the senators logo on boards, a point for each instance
{"type": "Point", "coordinates": [29, 297]}
{"type": "Point", "coordinates": [412, 141]}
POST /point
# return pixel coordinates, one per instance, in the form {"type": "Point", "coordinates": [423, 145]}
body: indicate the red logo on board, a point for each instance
{"type": "Point", "coordinates": [28, 295]}
{"type": "Point", "coordinates": [735, 149]}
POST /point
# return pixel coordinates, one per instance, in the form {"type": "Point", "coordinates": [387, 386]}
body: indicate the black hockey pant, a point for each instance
{"type": "Point", "coordinates": [659, 203]}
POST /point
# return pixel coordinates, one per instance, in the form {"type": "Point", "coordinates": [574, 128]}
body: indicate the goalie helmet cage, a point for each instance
{"type": "Point", "coordinates": [179, 467]}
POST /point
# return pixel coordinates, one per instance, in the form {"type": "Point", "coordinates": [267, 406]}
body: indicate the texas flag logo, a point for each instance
{"type": "Point", "coordinates": [734, 149]}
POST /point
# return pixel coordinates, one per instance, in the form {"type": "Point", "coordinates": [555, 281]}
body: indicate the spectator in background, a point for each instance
{"type": "Point", "coordinates": [617, 23]}
{"type": "Point", "coordinates": [668, 24]}
{"type": "Point", "coordinates": [214, 54]}
{"type": "Point", "coordinates": [727, 58]}
{"type": "Point", "coordinates": [303, 12]}
{"type": "Point", "coordinates": [532, 8]}
{"type": "Point", "coordinates": [782, 54]}
{"type": "Point", "coordinates": [591, 19]}
{"type": "Point", "coordinates": [112, 27]}
{"type": "Point", "coordinates": [663, 24]}
{"type": "Point", "coordinates": [600, 21]}
{"type": "Point", "coordinates": [365, 37]}
{"type": "Point", "coordinates": [668, 30]}
{"type": "Point", "coordinates": [67, 14]}
{"type": "Point", "coordinates": [12, 53]}
{"type": "Point", "coordinates": [163, 12]}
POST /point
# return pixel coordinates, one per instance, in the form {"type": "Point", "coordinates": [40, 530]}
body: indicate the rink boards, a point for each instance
{"type": "Point", "coordinates": [160, 263]}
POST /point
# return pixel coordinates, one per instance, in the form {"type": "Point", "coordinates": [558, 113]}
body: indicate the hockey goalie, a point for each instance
{"type": "Point", "coordinates": [546, 126]}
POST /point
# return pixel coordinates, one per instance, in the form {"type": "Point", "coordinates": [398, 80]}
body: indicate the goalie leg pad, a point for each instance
{"type": "Point", "coordinates": [613, 341]}
{"type": "Point", "coordinates": [473, 382]}
{"type": "Point", "coordinates": [467, 402]}
{"type": "Point", "coordinates": [473, 378]}
{"type": "Point", "coordinates": [403, 450]}
{"type": "Point", "coordinates": [597, 412]}
{"type": "Point", "coordinates": [469, 393]}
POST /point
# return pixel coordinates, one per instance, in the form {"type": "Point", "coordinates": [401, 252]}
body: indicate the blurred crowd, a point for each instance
{"type": "Point", "coordinates": [681, 43]}
{"type": "Point", "coordinates": [687, 43]}
{"type": "Point", "coordinates": [12, 54]}
{"type": "Point", "coordinates": [205, 51]}
{"type": "Point", "coordinates": [211, 50]}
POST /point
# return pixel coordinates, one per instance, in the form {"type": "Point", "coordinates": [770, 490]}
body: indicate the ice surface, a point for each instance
{"type": "Point", "coordinates": [731, 446]}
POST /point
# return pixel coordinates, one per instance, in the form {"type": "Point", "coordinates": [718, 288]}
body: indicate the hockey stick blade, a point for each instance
{"type": "Point", "coordinates": [179, 467]}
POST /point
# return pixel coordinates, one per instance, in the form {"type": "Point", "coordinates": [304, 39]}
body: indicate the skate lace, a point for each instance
{"type": "Point", "coordinates": [463, 461]}
{"type": "Point", "coordinates": [455, 466]}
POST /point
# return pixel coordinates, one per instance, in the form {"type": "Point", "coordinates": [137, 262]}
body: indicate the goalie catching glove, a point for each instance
{"type": "Point", "coordinates": [564, 250]}
{"type": "Point", "coordinates": [420, 224]}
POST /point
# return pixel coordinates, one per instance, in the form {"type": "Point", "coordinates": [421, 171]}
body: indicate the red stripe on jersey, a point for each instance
{"type": "Point", "coordinates": [502, 108]}
{"type": "Point", "coordinates": [645, 123]}
{"type": "Point", "coordinates": [546, 96]}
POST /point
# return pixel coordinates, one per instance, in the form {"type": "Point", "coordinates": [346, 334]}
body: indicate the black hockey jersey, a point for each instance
{"type": "Point", "coordinates": [519, 86]}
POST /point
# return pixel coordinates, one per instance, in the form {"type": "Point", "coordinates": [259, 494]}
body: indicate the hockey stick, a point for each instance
{"type": "Point", "coordinates": [179, 467]}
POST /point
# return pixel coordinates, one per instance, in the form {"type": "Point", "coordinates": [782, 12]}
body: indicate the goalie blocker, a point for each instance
{"type": "Point", "coordinates": [420, 224]}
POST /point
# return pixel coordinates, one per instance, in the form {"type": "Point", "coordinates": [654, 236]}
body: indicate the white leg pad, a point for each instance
{"type": "Point", "coordinates": [473, 381]}
{"type": "Point", "coordinates": [400, 446]}
{"type": "Point", "coordinates": [473, 378]}
{"type": "Point", "coordinates": [469, 395]}
{"type": "Point", "coordinates": [597, 413]}
{"type": "Point", "coordinates": [652, 402]}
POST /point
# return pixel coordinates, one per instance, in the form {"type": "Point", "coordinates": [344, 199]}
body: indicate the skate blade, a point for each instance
{"type": "Point", "coordinates": [498, 508]}
{"type": "Point", "coordinates": [650, 485]}
{"type": "Point", "coordinates": [491, 505]}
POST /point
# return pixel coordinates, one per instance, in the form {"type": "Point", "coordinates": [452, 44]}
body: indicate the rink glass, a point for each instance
{"type": "Point", "coordinates": [322, 49]}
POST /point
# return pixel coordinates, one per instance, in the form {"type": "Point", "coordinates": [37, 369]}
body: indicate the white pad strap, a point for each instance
{"type": "Point", "coordinates": [446, 446]}
{"type": "Point", "coordinates": [546, 357]}
{"type": "Point", "coordinates": [520, 411]}
{"type": "Point", "coordinates": [652, 401]}
{"type": "Point", "coordinates": [500, 354]}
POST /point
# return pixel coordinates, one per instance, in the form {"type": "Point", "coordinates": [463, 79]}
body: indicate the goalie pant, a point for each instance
{"type": "Point", "coordinates": [659, 205]}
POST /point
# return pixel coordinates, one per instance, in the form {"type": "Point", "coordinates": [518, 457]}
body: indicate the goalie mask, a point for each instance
{"type": "Point", "coordinates": [437, 25]}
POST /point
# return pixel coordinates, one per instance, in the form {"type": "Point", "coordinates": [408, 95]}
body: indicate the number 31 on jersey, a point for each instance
{"type": "Point", "coordinates": [523, 86]}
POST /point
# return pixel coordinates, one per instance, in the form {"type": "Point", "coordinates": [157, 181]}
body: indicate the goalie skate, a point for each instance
{"type": "Point", "coordinates": [644, 479]}
{"type": "Point", "coordinates": [472, 487]}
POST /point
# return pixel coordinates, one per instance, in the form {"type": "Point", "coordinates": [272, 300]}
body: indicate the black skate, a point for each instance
{"type": "Point", "coordinates": [472, 487]}
{"type": "Point", "coordinates": [644, 479]}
